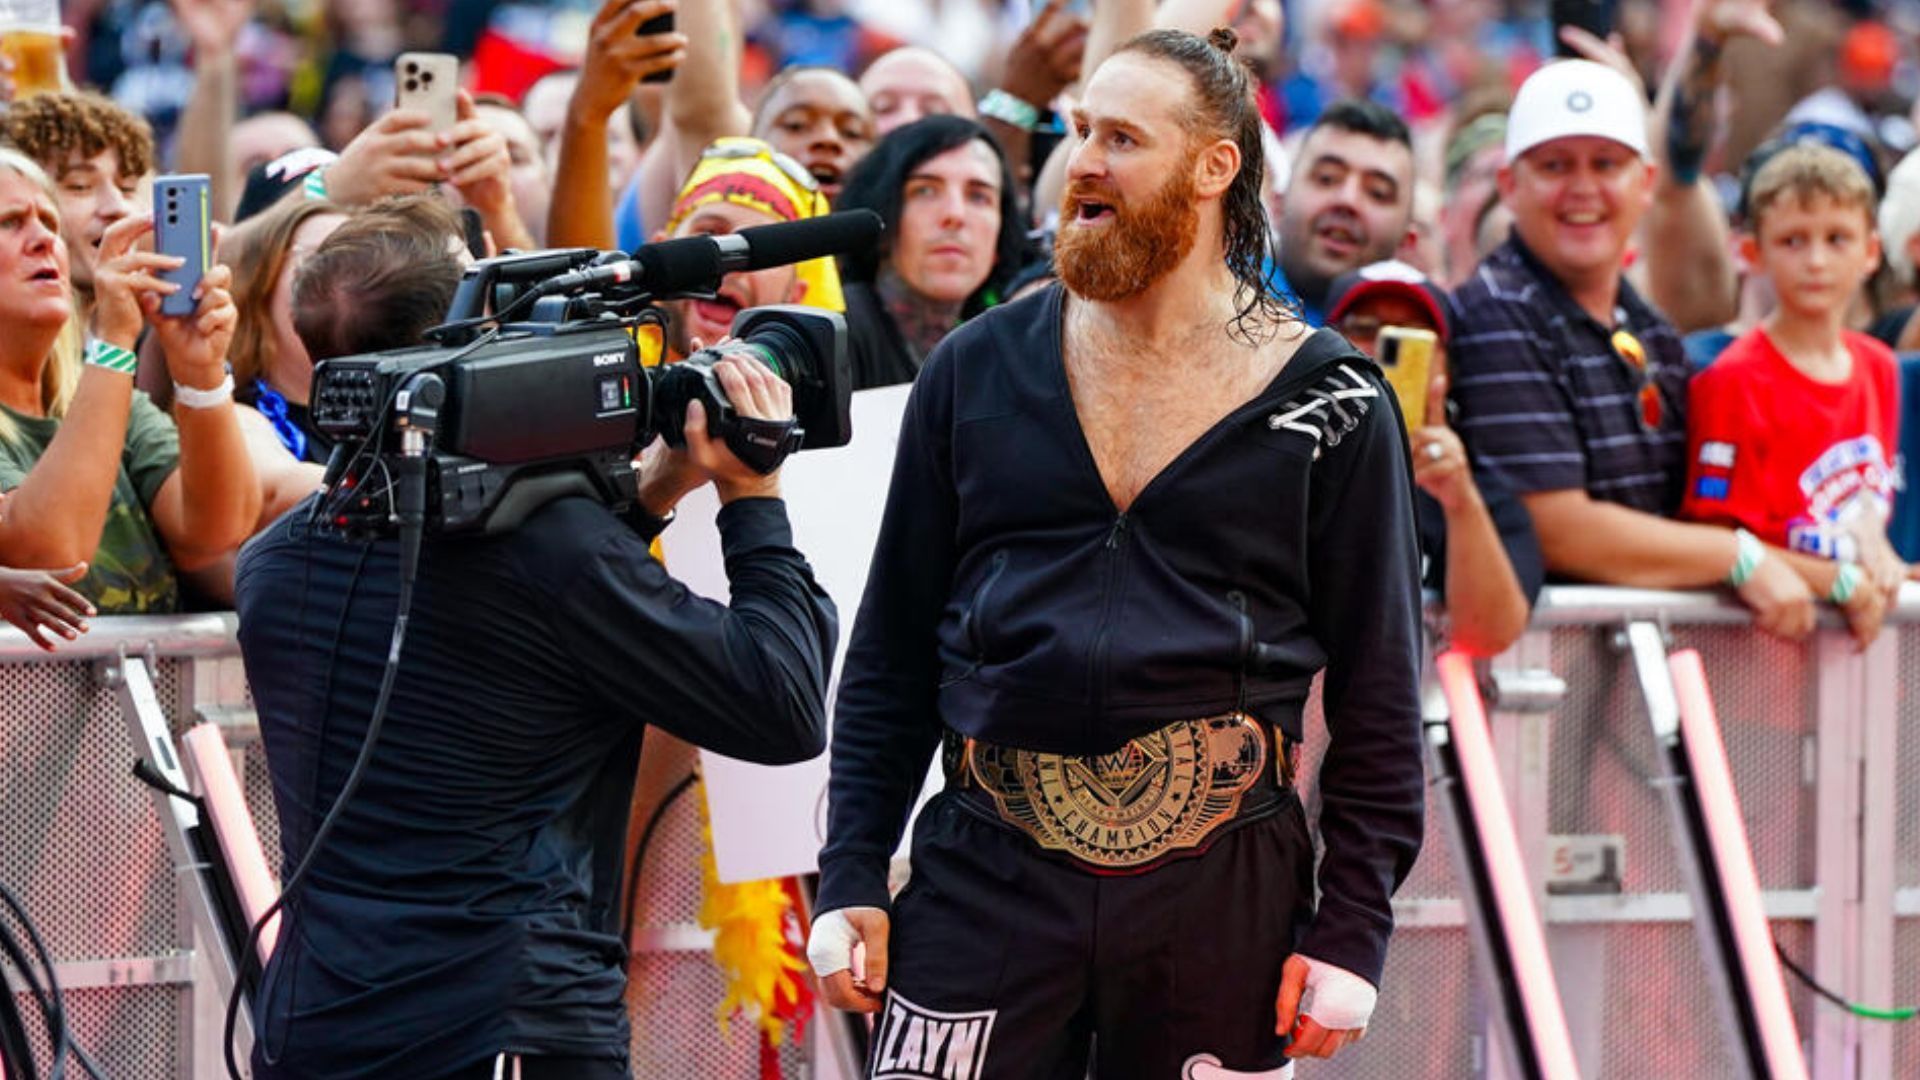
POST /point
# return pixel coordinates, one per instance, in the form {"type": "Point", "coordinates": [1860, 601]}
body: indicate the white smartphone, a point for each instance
{"type": "Point", "coordinates": [429, 82]}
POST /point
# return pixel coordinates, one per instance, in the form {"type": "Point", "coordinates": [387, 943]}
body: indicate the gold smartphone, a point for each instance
{"type": "Point", "coordinates": [1406, 355]}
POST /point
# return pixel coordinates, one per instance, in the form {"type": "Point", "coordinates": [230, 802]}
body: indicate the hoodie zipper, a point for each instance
{"type": "Point", "coordinates": [1113, 571]}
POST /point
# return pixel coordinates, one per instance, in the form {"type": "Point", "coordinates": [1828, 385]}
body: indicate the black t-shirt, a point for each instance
{"type": "Point", "coordinates": [1510, 518]}
{"type": "Point", "coordinates": [879, 354]}
{"type": "Point", "coordinates": [466, 901]}
{"type": "Point", "coordinates": [1888, 327]}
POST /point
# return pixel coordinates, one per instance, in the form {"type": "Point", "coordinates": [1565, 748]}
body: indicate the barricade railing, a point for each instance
{"type": "Point", "coordinates": [1823, 743]}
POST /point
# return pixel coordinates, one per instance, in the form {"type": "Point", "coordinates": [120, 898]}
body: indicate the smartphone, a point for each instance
{"type": "Point", "coordinates": [1596, 17]}
{"type": "Point", "coordinates": [429, 82]}
{"type": "Point", "coordinates": [182, 220]}
{"type": "Point", "coordinates": [659, 24]}
{"type": "Point", "coordinates": [1406, 355]}
{"type": "Point", "coordinates": [474, 231]}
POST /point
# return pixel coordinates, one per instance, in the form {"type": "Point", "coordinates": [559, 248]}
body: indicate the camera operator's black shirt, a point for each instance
{"type": "Point", "coordinates": [466, 902]}
{"type": "Point", "coordinates": [1010, 601]}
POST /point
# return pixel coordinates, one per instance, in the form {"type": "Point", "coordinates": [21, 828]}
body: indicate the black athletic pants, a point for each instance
{"type": "Point", "coordinates": [1009, 963]}
{"type": "Point", "coordinates": [547, 1067]}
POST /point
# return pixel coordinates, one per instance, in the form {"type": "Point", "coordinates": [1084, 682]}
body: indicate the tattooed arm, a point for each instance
{"type": "Point", "coordinates": [1693, 278]}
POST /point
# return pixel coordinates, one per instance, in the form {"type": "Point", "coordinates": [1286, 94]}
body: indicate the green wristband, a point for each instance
{"type": "Point", "coordinates": [1009, 110]}
{"type": "Point", "coordinates": [1845, 582]}
{"type": "Point", "coordinates": [1750, 555]}
{"type": "Point", "coordinates": [111, 357]}
{"type": "Point", "coordinates": [314, 186]}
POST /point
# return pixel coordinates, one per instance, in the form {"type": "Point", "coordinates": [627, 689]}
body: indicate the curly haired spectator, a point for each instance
{"type": "Point", "coordinates": [100, 157]}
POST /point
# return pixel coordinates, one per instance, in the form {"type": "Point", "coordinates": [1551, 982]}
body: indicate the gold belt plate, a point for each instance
{"type": "Point", "coordinates": [1161, 792]}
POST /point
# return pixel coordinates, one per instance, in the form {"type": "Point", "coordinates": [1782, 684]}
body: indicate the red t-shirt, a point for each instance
{"type": "Point", "coordinates": [1793, 460]}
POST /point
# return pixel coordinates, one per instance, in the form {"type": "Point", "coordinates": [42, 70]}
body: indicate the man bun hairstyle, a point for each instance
{"type": "Point", "coordinates": [1226, 107]}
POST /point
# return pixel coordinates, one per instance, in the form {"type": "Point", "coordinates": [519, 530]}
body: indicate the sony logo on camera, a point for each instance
{"type": "Point", "coordinates": [608, 359]}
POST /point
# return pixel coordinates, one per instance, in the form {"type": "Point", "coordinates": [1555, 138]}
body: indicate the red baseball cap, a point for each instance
{"type": "Point", "coordinates": [1390, 278]}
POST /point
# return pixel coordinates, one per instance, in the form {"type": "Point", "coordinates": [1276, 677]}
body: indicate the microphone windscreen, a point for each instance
{"type": "Point", "coordinates": [689, 264]}
{"type": "Point", "coordinates": [799, 241]}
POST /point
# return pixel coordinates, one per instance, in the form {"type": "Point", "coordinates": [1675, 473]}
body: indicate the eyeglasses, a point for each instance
{"type": "Point", "coordinates": [1652, 407]}
{"type": "Point", "coordinates": [1358, 327]}
{"type": "Point", "coordinates": [744, 149]}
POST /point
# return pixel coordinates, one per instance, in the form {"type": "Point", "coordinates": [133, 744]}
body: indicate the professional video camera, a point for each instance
{"type": "Point", "coordinates": [536, 388]}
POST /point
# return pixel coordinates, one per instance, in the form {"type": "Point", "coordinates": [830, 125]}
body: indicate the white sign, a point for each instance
{"type": "Point", "coordinates": [770, 821]}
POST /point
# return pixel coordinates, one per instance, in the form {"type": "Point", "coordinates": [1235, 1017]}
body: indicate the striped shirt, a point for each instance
{"type": "Point", "coordinates": [1549, 400]}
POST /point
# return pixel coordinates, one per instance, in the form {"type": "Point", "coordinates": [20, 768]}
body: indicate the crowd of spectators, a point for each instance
{"type": "Point", "coordinates": [1583, 236]}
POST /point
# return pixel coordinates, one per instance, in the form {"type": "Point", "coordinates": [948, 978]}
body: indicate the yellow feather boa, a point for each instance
{"type": "Point", "coordinates": [750, 943]}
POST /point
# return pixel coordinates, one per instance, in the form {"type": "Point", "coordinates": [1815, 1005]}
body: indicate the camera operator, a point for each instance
{"type": "Point", "coordinates": [458, 920]}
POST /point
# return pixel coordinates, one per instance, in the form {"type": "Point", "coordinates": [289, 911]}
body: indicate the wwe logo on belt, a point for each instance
{"type": "Point", "coordinates": [922, 1044]}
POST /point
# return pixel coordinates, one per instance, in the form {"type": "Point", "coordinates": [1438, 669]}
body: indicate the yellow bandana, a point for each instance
{"type": "Point", "coordinates": [749, 173]}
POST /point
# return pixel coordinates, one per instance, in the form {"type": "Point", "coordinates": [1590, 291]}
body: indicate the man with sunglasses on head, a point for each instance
{"type": "Point", "coordinates": [1572, 388]}
{"type": "Point", "coordinates": [741, 183]}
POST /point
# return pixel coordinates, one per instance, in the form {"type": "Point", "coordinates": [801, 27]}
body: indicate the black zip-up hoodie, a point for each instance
{"type": "Point", "coordinates": [1009, 599]}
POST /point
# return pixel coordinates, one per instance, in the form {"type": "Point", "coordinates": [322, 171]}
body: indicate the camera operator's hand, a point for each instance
{"type": "Point", "coordinates": [124, 278]}
{"type": "Point", "coordinates": [395, 155]}
{"type": "Point", "coordinates": [667, 475]}
{"type": "Point", "coordinates": [757, 392]}
{"type": "Point", "coordinates": [196, 345]}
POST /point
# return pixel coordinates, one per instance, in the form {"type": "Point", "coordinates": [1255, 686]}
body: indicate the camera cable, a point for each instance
{"type": "Point", "coordinates": [418, 402]}
{"type": "Point", "coordinates": [15, 1051]}
{"type": "Point", "coordinates": [1865, 1012]}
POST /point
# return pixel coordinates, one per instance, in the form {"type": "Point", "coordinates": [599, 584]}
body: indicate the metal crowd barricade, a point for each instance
{"type": "Point", "coordinates": [1824, 744]}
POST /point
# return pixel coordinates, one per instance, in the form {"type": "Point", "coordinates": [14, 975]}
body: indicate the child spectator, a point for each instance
{"type": "Point", "coordinates": [1791, 433]}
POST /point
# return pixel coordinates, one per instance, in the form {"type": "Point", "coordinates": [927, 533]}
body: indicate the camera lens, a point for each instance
{"type": "Point", "coordinates": [413, 68]}
{"type": "Point", "coordinates": [412, 86]}
{"type": "Point", "coordinates": [426, 76]}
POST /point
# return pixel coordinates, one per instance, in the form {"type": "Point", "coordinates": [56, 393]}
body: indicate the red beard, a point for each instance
{"type": "Point", "coordinates": [1134, 250]}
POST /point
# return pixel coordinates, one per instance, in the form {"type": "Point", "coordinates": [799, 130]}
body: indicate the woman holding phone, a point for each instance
{"type": "Point", "coordinates": [92, 471]}
{"type": "Point", "coordinates": [1477, 546]}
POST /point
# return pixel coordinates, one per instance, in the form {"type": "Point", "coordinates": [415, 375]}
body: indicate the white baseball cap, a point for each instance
{"type": "Point", "coordinates": [1576, 97]}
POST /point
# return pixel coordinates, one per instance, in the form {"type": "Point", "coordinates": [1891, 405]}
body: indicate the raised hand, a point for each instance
{"type": "Point", "coordinates": [1046, 57]}
{"type": "Point", "coordinates": [124, 278]}
{"type": "Point", "coordinates": [478, 163]}
{"type": "Point", "coordinates": [396, 155]}
{"type": "Point", "coordinates": [196, 345]}
{"type": "Point", "coordinates": [212, 25]}
{"type": "Point", "coordinates": [618, 58]}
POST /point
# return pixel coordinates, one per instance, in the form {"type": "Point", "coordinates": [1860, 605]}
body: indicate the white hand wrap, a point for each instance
{"type": "Point", "coordinates": [830, 946]}
{"type": "Point", "coordinates": [1336, 998]}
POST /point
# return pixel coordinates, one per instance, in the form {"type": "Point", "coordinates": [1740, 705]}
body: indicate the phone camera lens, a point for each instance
{"type": "Point", "coordinates": [413, 68]}
{"type": "Point", "coordinates": [426, 77]}
{"type": "Point", "coordinates": [412, 85]}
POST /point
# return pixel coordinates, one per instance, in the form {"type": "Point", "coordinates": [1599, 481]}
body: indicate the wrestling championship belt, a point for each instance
{"type": "Point", "coordinates": [1160, 792]}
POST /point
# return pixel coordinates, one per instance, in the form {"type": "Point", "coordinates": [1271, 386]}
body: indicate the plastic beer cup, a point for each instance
{"type": "Point", "coordinates": [30, 37]}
